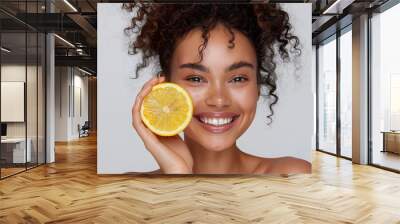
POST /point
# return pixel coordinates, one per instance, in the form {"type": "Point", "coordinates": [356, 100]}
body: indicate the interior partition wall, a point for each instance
{"type": "Point", "coordinates": [22, 77]}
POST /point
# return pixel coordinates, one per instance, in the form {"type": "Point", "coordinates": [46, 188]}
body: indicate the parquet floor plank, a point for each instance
{"type": "Point", "coordinates": [70, 191]}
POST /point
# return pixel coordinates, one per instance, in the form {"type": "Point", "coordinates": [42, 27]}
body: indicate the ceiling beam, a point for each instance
{"type": "Point", "coordinates": [83, 23]}
{"type": "Point", "coordinates": [85, 61]}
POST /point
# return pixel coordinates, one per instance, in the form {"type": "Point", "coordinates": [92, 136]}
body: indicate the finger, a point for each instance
{"type": "Point", "coordinates": [161, 79]}
{"type": "Point", "coordinates": [145, 134]}
{"type": "Point", "coordinates": [137, 123]}
{"type": "Point", "coordinates": [146, 89]}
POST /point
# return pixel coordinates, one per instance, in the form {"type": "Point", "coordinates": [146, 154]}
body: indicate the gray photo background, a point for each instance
{"type": "Point", "coordinates": [120, 149]}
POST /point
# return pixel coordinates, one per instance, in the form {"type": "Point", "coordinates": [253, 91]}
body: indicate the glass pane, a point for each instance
{"type": "Point", "coordinates": [346, 94]}
{"type": "Point", "coordinates": [31, 100]}
{"type": "Point", "coordinates": [22, 89]}
{"type": "Point", "coordinates": [13, 90]}
{"type": "Point", "coordinates": [386, 89]}
{"type": "Point", "coordinates": [327, 96]}
{"type": "Point", "coordinates": [41, 98]}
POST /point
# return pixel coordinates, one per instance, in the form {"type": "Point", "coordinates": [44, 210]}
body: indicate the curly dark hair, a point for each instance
{"type": "Point", "coordinates": [160, 26]}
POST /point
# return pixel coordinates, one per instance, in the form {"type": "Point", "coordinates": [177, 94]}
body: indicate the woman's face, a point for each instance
{"type": "Point", "coordinates": [223, 86]}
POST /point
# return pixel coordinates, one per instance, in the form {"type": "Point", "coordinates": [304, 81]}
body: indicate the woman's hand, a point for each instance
{"type": "Point", "coordinates": [171, 153]}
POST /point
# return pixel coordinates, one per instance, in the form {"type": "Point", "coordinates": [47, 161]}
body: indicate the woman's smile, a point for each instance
{"type": "Point", "coordinates": [217, 122]}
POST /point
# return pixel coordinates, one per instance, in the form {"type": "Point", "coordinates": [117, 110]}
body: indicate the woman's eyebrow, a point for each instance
{"type": "Point", "coordinates": [195, 66]}
{"type": "Point", "coordinates": [203, 68]}
{"type": "Point", "coordinates": [239, 64]}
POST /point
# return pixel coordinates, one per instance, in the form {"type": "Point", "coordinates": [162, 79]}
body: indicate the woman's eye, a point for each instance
{"type": "Point", "coordinates": [194, 79]}
{"type": "Point", "coordinates": [239, 79]}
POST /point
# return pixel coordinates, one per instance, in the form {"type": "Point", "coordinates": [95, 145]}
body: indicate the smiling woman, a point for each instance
{"type": "Point", "coordinates": [222, 55]}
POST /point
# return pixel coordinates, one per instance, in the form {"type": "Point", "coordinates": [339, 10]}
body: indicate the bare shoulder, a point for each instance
{"type": "Point", "coordinates": [149, 172]}
{"type": "Point", "coordinates": [285, 165]}
{"type": "Point", "coordinates": [155, 172]}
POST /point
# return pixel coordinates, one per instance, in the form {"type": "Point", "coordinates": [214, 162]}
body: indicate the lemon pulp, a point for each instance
{"type": "Point", "coordinates": [167, 109]}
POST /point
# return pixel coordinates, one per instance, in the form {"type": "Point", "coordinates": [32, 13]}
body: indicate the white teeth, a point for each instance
{"type": "Point", "coordinates": [216, 121]}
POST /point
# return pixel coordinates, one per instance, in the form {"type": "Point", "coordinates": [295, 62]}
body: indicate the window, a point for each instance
{"type": "Point", "coordinates": [327, 96]}
{"type": "Point", "coordinates": [346, 93]}
{"type": "Point", "coordinates": [385, 89]}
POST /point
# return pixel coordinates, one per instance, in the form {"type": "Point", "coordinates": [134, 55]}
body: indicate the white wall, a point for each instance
{"type": "Point", "coordinates": [12, 100]}
{"type": "Point", "coordinates": [80, 103]}
{"type": "Point", "coordinates": [17, 73]}
{"type": "Point", "coordinates": [67, 117]}
{"type": "Point", "coordinates": [120, 150]}
{"type": "Point", "coordinates": [61, 103]}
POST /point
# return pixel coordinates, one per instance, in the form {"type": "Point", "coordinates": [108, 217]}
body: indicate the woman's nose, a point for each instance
{"type": "Point", "coordinates": [218, 96]}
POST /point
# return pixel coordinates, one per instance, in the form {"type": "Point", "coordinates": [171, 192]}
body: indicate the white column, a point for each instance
{"type": "Point", "coordinates": [50, 110]}
{"type": "Point", "coordinates": [50, 92]}
{"type": "Point", "coordinates": [360, 90]}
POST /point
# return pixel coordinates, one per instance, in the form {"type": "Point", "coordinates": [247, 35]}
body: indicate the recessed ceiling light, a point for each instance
{"type": "Point", "coordinates": [70, 5]}
{"type": "Point", "coordinates": [5, 50]}
{"type": "Point", "coordinates": [84, 71]}
{"type": "Point", "coordinates": [337, 7]}
{"type": "Point", "coordinates": [64, 40]}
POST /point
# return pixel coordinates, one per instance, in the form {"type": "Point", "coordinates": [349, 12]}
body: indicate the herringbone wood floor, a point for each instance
{"type": "Point", "coordinates": [70, 191]}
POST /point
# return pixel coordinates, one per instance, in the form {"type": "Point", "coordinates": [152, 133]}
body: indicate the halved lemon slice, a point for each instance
{"type": "Point", "coordinates": [167, 109]}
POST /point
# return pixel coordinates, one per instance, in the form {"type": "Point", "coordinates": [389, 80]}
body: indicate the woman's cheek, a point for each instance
{"type": "Point", "coordinates": [247, 100]}
{"type": "Point", "coordinates": [247, 96]}
{"type": "Point", "coordinates": [197, 93]}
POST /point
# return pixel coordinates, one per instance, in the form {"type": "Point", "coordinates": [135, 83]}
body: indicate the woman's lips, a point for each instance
{"type": "Point", "coordinates": [220, 128]}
